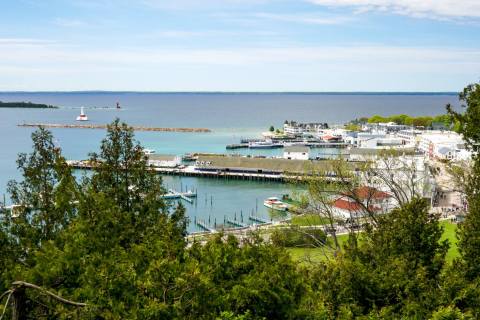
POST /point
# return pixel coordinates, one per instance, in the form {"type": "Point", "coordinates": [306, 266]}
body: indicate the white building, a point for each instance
{"type": "Point", "coordinates": [164, 161]}
{"type": "Point", "coordinates": [297, 128]}
{"type": "Point", "coordinates": [444, 145]}
{"type": "Point", "coordinates": [361, 201]}
{"type": "Point", "coordinates": [296, 153]}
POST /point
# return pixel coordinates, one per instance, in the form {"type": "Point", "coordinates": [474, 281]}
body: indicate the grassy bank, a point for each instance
{"type": "Point", "coordinates": [306, 255]}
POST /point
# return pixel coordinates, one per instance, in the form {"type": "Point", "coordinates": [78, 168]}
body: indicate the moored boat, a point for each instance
{"type": "Point", "coordinates": [267, 144]}
{"type": "Point", "coordinates": [275, 204]}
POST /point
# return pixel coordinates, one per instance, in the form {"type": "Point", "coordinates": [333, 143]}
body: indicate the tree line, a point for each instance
{"type": "Point", "coordinates": [107, 246]}
{"type": "Point", "coordinates": [444, 120]}
{"type": "Point", "coordinates": [26, 105]}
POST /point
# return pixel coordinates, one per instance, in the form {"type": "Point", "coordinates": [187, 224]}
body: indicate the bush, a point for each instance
{"type": "Point", "coordinates": [296, 237]}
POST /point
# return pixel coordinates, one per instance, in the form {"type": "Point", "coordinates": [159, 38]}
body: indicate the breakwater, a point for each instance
{"type": "Point", "coordinates": [104, 127]}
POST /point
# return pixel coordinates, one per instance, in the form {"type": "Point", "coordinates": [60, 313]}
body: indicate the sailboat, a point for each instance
{"type": "Point", "coordinates": [82, 116]}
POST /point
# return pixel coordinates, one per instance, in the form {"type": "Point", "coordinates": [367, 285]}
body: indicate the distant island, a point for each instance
{"type": "Point", "coordinates": [28, 105]}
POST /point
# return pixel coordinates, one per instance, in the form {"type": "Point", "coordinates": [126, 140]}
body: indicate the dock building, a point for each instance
{"type": "Point", "coordinates": [296, 153]}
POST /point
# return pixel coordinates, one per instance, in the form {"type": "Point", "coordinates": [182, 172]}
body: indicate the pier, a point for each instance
{"type": "Point", "coordinates": [104, 127]}
{"type": "Point", "coordinates": [258, 219]}
{"type": "Point", "coordinates": [237, 223]}
{"type": "Point", "coordinates": [205, 226]}
{"type": "Point", "coordinates": [187, 196]}
{"type": "Point", "coordinates": [237, 146]}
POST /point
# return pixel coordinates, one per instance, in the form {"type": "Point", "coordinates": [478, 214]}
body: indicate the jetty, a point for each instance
{"type": "Point", "coordinates": [202, 224]}
{"type": "Point", "coordinates": [237, 223]}
{"type": "Point", "coordinates": [258, 219]}
{"type": "Point", "coordinates": [104, 127]}
{"type": "Point", "coordinates": [187, 196]}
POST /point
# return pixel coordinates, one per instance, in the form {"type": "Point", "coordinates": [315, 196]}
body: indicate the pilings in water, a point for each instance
{"type": "Point", "coordinates": [204, 225]}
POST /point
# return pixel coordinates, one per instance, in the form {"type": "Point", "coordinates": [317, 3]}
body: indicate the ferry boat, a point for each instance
{"type": "Point", "coordinates": [148, 151]}
{"type": "Point", "coordinates": [82, 116]}
{"type": "Point", "coordinates": [275, 204]}
{"type": "Point", "coordinates": [267, 144]}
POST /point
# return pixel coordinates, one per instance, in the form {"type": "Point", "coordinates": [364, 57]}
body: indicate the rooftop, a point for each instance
{"type": "Point", "coordinates": [296, 149]}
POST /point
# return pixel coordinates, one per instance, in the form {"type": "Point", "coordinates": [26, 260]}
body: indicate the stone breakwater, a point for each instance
{"type": "Point", "coordinates": [104, 126]}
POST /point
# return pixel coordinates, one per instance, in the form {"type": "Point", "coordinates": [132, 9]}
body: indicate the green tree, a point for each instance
{"type": "Point", "coordinates": [272, 129]}
{"type": "Point", "coordinates": [394, 270]}
{"type": "Point", "coordinates": [469, 231]}
{"type": "Point", "coordinates": [377, 119]}
{"type": "Point", "coordinates": [44, 199]}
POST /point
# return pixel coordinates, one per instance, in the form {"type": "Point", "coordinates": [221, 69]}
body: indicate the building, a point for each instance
{"type": "Point", "coordinates": [296, 128]}
{"type": "Point", "coordinates": [362, 201]}
{"type": "Point", "coordinates": [296, 153]}
{"type": "Point", "coordinates": [265, 166]}
{"type": "Point", "coordinates": [443, 145]}
{"type": "Point", "coordinates": [385, 126]}
{"type": "Point", "coordinates": [164, 161]}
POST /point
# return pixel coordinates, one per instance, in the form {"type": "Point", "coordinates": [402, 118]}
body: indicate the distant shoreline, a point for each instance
{"type": "Point", "coordinates": [26, 105]}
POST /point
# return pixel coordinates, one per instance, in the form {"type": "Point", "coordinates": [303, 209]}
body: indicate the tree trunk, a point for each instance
{"type": "Point", "coordinates": [18, 304]}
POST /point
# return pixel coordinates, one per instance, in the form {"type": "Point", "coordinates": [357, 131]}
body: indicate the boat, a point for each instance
{"type": "Point", "coordinates": [267, 144]}
{"type": "Point", "coordinates": [148, 151]}
{"type": "Point", "coordinates": [82, 116]}
{"type": "Point", "coordinates": [275, 204]}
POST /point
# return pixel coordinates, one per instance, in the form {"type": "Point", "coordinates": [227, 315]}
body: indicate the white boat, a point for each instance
{"type": "Point", "coordinates": [82, 116]}
{"type": "Point", "coordinates": [148, 151]}
{"type": "Point", "coordinates": [267, 144]}
{"type": "Point", "coordinates": [275, 204]}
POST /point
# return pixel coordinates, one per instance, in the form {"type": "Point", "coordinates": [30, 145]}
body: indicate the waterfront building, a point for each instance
{"type": "Point", "coordinates": [296, 128]}
{"type": "Point", "coordinates": [164, 161]}
{"type": "Point", "coordinates": [296, 153]}
{"type": "Point", "coordinates": [221, 164]}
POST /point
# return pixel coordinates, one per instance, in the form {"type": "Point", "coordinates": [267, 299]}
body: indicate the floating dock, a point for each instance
{"type": "Point", "coordinates": [104, 127]}
{"type": "Point", "coordinates": [205, 226]}
{"type": "Point", "coordinates": [237, 146]}
{"type": "Point", "coordinates": [258, 219]}
{"type": "Point", "coordinates": [173, 194]}
{"type": "Point", "coordinates": [237, 223]}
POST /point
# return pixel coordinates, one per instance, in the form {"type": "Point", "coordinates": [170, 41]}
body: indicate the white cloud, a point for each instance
{"type": "Point", "coordinates": [305, 18]}
{"type": "Point", "coordinates": [442, 9]}
{"type": "Point", "coordinates": [325, 68]}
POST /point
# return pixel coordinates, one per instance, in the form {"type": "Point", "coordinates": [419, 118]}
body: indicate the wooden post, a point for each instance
{"type": "Point", "coordinates": [19, 311]}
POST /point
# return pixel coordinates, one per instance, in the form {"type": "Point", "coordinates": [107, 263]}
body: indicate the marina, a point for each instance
{"type": "Point", "coordinates": [231, 185]}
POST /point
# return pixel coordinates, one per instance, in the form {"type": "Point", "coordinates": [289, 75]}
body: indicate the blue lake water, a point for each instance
{"type": "Point", "coordinates": [230, 116]}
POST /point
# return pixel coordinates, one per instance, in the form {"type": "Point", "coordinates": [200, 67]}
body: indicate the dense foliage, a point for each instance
{"type": "Point", "coordinates": [26, 105]}
{"type": "Point", "coordinates": [443, 120]}
{"type": "Point", "coordinates": [111, 242]}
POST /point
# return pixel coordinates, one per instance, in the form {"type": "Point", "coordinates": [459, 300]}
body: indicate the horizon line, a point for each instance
{"type": "Point", "coordinates": [233, 92]}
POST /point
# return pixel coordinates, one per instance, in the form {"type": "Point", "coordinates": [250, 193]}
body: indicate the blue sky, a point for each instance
{"type": "Point", "coordinates": [239, 45]}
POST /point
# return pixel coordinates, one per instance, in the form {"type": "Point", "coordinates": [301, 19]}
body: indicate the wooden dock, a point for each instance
{"type": "Point", "coordinates": [258, 219]}
{"type": "Point", "coordinates": [104, 127]}
{"type": "Point", "coordinates": [237, 223]}
{"type": "Point", "coordinates": [173, 194]}
{"type": "Point", "coordinates": [205, 226]}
